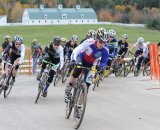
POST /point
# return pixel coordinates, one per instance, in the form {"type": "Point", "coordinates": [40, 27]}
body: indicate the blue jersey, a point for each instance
{"type": "Point", "coordinates": [89, 52]}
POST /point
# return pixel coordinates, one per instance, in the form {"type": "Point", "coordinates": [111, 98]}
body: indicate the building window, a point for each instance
{"type": "Point", "coordinates": [76, 21]}
{"type": "Point", "coordinates": [45, 16]}
{"type": "Point", "coordinates": [70, 21]}
{"type": "Point", "coordinates": [58, 21]}
{"type": "Point", "coordinates": [64, 16]}
{"type": "Point", "coordinates": [82, 16]}
{"type": "Point", "coordinates": [82, 21]}
{"type": "Point", "coordinates": [45, 21]}
{"type": "Point", "coordinates": [32, 21]}
{"type": "Point", "coordinates": [93, 20]}
{"type": "Point", "coordinates": [39, 21]}
{"type": "Point", "coordinates": [88, 21]}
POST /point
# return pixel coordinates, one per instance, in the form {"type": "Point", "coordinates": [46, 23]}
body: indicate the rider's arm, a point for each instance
{"type": "Point", "coordinates": [104, 58]}
{"type": "Point", "coordinates": [80, 48]}
{"type": "Point", "coordinates": [6, 50]}
{"type": "Point", "coordinates": [61, 56]}
{"type": "Point", "coordinates": [133, 46]}
{"type": "Point", "coordinates": [22, 54]}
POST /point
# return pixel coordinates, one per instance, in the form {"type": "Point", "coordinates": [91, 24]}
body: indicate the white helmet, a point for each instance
{"type": "Point", "coordinates": [112, 33]}
{"type": "Point", "coordinates": [18, 38]}
{"type": "Point", "coordinates": [7, 37]}
{"type": "Point", "coordinates": [74, 38]}
{"type": "Point", "coordinates": [140, 40]}
{"type": "Point", "coordinates": [125, 36]}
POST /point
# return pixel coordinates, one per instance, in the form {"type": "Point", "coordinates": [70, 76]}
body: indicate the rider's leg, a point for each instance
{"type": "Point", "coordinates": [139, 63]}
{"type": "Point", "coordinates": [49, 81]}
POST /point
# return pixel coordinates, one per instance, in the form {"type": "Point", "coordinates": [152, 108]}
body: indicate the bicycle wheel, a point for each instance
{"type": "Point", "coordinates": [56, 79]}
{"type": "Point", "coordinates": [40, 90]}
{"type": "Point", "coordinates": [80, 105]}
{"type": "Point", "coordinates": [146, 69]}
{"type": "Point", "coordinates": [65, 74]}
{"type": "Point", "coordinates": [70, 103]}
{"type": "Point", "coordinates": [125, 69]}
{"type": "Point", "coordinates": [8, 88]}
{"type": "Point", "coordinates": [96, 84]}
{"type": "Point", "coordinates": [2, 79]}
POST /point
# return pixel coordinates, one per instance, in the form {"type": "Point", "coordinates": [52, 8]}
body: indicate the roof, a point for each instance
{"type": "Point", "coordinates": [55, 13]}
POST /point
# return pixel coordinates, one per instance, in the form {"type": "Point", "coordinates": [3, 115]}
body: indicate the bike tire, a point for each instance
{"type": "Point", "coordinates": [40, 89]}
{"type": "Point", "coordinates": [8, 90]}
{"type": "Point", "coordinates": [80, 90]}
{"type": "Point", "coordinates": [64, 76]}
{"type": "Point", "coordinates": [56, 79]}
{"type": "Point", "coordinates": [146, 69]}
{"type": "Point", "coordinates": [2, 79]}
{"type": "Point", "coordinates": [70, 104]}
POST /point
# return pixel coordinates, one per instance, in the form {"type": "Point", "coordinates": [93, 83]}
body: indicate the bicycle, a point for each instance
{"type": "Point", "coordinates": [66, 71]}
{"type": "Point", "coordinates": [57, 77]}
{"type": "Point", "coordinates": [44, 78]}
{"type": "Point", "coordinates": [78, 99]}
{"type": "Point", "coordinates": [6, 80]}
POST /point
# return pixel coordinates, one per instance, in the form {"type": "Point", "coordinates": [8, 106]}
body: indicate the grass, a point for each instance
{"type": "Point", "coordinates": [45, 33]}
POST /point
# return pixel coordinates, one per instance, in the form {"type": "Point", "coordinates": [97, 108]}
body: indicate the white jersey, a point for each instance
{"type": "Point", "coordinates": [60, 52]}
{"type": "Point", "coordinates": [140, 46]}
{"type": "Point", "coordinates": [22, 48]}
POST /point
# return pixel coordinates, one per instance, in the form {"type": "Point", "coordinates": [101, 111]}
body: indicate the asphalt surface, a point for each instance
{"type": "Point", "coordinates": [131, 103]}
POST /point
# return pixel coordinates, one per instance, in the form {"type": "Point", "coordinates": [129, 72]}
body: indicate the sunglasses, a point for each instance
{"type": "Point", "coordinates": [111, 37]}
{"type": "Point", "coordinates": [18, 44]}
{"type": "Point", "coordinates": [56, 44]}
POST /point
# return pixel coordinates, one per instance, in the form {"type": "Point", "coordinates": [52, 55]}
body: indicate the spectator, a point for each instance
{"type": "Point", "coordinates": [36, 52]}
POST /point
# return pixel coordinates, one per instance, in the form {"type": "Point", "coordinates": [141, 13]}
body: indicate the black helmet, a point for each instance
{"type": "Point", "coordinates": [102, 34]}
{"type": "Point", "coordinates": [57, 40]}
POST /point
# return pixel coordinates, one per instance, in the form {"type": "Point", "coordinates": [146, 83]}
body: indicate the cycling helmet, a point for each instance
{"type": "Point", "coordinates": [112, 33]}
{"type": "Point", "coordinates": [74, 38]}
{"type": "Point", "coordinates": [140, 40]}
{"type": "Point", "coordinates": [91, 34]}
{"type": "Point", "coordinates": [18, 38]}
{"type": "Point", "coordinates": [57, 40]}
{"type": "Point", "coordinates": [7, 37]}
{"type": "Point", "coordinates": [125, 36]}
{"type": "Point", "coordinates": [102, 34]}
{"type": "Point", "coordinates": [64, 40]}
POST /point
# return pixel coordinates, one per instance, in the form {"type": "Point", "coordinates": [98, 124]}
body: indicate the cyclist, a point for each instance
{"type": "Point", "coordinates": [90, 34]}
{"type": "Point", "coordinates": [85, 54]}
{"type": "Point", "coordinates": [123, 45]}
{"type": "Point", "coordinates": [141, 51]}
{"type": "Point", "coordinates": [52, 53]}
{"type": "Point", "coordinates": [16, 52]}
{"type": "Point", "coordinates": [112, 46]}
{"type": "Point", "coordinates": [63, 41]}
{"type": "Point", "coordinates": [70, 45]}
{"type": "Point", "coordinates": [5, 44]}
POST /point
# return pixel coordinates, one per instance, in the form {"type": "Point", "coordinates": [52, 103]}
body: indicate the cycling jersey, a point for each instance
{"type": "Point", "coordinates": [123, 48]}
{"type": "Point", "coordinates": [15, 53]}
{"type": "Point", "coordinates": [56, 56]}
{"type": "Point", "coordinates": [88, 51]}
{"type": "Point", "coordinates": [112, 47]}
{"type": "Point", "coordinates": [68, 49]}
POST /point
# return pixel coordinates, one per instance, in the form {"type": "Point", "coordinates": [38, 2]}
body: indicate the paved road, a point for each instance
{"type": "Point", "coordinates": [118, 104]}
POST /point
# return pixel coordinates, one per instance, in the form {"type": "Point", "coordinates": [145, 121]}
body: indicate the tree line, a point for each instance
{"type": "Point", "coordinates": [125, 11]}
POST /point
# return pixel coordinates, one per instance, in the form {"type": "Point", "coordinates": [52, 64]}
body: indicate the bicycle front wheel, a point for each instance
{"type": "Point", "coordinates": [40, 90]}
{"type": "Point", "coordinates": [56, 80]}
{"type": "Point", "coordinates": [80, 105]}
{"type": "Point", "coordinates": [7, 89]}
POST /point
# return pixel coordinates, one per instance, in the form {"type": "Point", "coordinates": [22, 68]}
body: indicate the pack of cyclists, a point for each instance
{"type": "Point", "coordinates": [100, 44]}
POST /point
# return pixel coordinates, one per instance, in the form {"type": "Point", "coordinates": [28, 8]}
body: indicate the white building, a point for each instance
{"type": "Point", "coordinates": [59, 15]}
{"type": "Point", "coordinates": [3, 19]}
